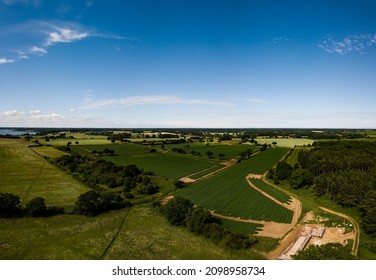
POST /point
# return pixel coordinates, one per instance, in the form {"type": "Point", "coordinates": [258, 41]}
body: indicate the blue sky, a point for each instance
{"type": "Point", "coordinates": [212, 63]}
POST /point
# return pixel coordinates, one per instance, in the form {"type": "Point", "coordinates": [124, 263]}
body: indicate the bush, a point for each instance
{"type": "Point", "coordinates": [237, 241]}
{"type": "Point", "coordinates": [179, 184]}
{"type": "Point", "coordinates": [36, 207]}
{"type": "Point", "coordinates": [148, 189]}
{"type": "Point", "coordinates": [197, 218]}
{"type": "Point", "coordinates": [93, 203]}
{"type": "Point", "coordinates": [10, 205]}
{"type": "Point", "coordinates": [176, 209]}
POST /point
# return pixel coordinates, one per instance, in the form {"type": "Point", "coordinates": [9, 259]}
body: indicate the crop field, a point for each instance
{"type": "Point", "coordinates": [167, 164]}
{"type": "Point", "coordinates": [228, 192]}
{"type": "Point", "coordinates": [286, 142]}
{"type": "Point", "coordinates": [120, 149]}
{"type": "Point", "coordinates": [206, 171]}
{"type": "Point", "coordinates": [280, 196]}
{"type": "Point", "coordinates": [246, 228]}
{"type": "Point", "coordinates": [229, 151]}
{"type": "Point", "coordinates": [26, 174]}
{"type": "Point", "coordinates": [264, 161]}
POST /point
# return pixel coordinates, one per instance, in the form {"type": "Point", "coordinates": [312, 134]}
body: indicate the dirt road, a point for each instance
{"type": "Point", "coordinates": [356, 228]}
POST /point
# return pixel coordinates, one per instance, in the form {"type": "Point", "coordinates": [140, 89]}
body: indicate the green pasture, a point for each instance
{"type": "Point", "coordinates": [125, 149]}
{"type": "Point", "coordinates": [141, 234]}
{"type": "Point", "coordinates": [230, 151]}
{"type": "Point", "coordinates": [286, 142]}
{"type": "Point", "coordinates": [228, 192]}
{"type": "Point", "coordinates": [27, 174]}
{"type": "Point", "coordinates": [277, 194]}
{"type": "Point", "coordinates": [81, 138]}
{"type": "Point", "coordinates": [48, 151]}
{"type": "Point", "coordinates": [163, 163]}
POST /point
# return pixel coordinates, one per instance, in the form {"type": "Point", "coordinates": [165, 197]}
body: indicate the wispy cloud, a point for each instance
{"type": "Point", "coordinates": [279, 39]}
{"type": "Point", "coordinates": [37, 118]}
{"type": "Point", "coordinates": [65, 35]}
{"type": "Point", "coordinates": [4, 60]}
{"type": "Point", "coordinates": [353, 43]}
{"type": "Point", "coordinates": [37, 50]}
{"type": "Point", "coordinates": [91, 103]}
{"type": "Point", "coordinates": [24, 2]}
{"type": "Point", "coordinates": [33, 38]}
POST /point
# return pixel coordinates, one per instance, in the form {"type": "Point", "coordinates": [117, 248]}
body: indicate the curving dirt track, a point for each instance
{"type": "Point", "coordinates": [356, 228]}
{"type": "Point", "coordinates": [270, 229]}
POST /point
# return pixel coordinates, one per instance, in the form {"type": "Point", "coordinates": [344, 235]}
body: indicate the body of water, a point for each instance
{"type": "Point", "coordinates": [14, 132]}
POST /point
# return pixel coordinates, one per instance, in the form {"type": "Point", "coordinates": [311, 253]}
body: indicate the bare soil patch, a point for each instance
{"type": "Point", "coordinates": [166, 199]}
{"type": "Point", "coordinates": [187, 180]}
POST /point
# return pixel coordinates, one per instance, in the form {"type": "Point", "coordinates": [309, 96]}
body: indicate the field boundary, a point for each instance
{"type": "Point", "coordinates": [256, 176]}
{"type": "Point", "coordinates": [36, 178]}
{"type": "Point", "coordinates": [116, 234]}
{"type": "Point", "coordinates": [227, 164]}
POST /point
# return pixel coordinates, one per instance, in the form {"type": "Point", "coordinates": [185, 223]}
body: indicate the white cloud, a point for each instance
{"type": "Point", "coordinates": [65, 35]}
{"type": "Point", "coordinates": [35, 112]}
{"type": "Point", "coordinates": [11, 113]}
{"type": "Point", "coordinates": [36, 118]}
{"type": "Point", "coordinates": [38, 51]}
{"type": "Point", "coordinates": [91, 103]}
{"type": "Point", "coordinates": [6, 60]}
{"type": "Point", "coordinates": [38, 36]}
{"type": "Point", "coordinates": [353, 43]}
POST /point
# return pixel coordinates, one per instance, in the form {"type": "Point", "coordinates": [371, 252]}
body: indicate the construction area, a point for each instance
{"type": "Point", "coordinates": [309, 233]}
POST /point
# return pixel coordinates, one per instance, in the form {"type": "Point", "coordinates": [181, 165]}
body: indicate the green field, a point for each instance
{"type": "Point", "coordinates": [26, 174]}
{"type": "Point", "coordinates": [230, 151]}
{"type": "Point", "coordinates": [228, 192]}
{"type": "Point", "coordinates": [206, 171]}
{"type": "Point", "coordinates": [144, 235]}
{"type": "Point", "coordinates": [167, 164]}
{"type": "Point", "coordinates": [286, 142]}
{"type": "Point", "coordinates": [246, 228]}
{"type": "Point", "coordinates": [125, 149]}
{"type": "Point", "coordinates": [82, 138]}
{"type": "Point", "coordinates": [264, 161]}
{"type": "Point", "coordinates": [140, 234]}
{"type": "Point", "coordinates": [280, 196]}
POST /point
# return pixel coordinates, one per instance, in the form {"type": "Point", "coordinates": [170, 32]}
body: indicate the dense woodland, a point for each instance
{"type": "Point", "coordinates": [344, 171]}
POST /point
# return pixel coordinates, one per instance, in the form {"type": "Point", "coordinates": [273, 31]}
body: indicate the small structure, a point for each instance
{"type": "Point", "coordinates": [302, 240]}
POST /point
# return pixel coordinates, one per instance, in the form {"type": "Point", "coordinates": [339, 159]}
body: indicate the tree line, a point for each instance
{"type": "Point", "coordinates": [10, 206]}
{"type": "Point", "coordinates": [182, 212]}
{"type": "Point", "coordinates": [344, 171]}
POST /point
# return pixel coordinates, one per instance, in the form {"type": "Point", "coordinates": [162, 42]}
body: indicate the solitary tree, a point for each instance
{"type": "Point", "coordinates": [209, 154]}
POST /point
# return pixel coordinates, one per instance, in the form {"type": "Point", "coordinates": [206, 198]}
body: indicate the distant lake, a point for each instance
{"type": "Point", "coordinates": [14, 132]}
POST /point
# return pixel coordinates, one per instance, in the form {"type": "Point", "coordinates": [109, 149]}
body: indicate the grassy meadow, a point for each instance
{"type": "Point", "coordinates": [140, 233]}
{"type": "Point", "coordinates": [286, 142]}
{"type": "Point", "coordinates": [27, 174]}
